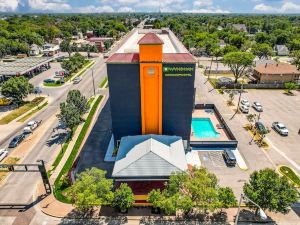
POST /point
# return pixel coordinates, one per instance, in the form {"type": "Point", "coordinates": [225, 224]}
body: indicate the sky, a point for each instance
{"type": "Point", "coordinates": [185, 6]}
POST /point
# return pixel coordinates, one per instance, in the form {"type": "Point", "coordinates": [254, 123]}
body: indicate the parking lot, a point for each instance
{"type": "Point", "coordinates": [228, 176]}
{"type": "Point", "coordinates": [279, 107]}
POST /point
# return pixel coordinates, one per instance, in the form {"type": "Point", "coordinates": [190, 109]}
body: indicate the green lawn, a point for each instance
{"type": "Point", "coordinates": [24, 118]}
{"type": "Point", "coordinates": [101, 85]}
{"type": "Point", "coordinates": [60, 184]}
{"type": "Point", "coordinates": [52, 84]}
{"type": "Point", "coordinates": [290, 174]}
{"type": "Point", "coordinates": [21, 110]}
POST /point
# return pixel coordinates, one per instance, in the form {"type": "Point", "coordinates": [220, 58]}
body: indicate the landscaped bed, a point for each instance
{"type": "Point", "coordinates": [61, 184]}
{"type": "Point", "coordinates": [21, 110]}
{"type": "Point", "coordinates": [290, 174]}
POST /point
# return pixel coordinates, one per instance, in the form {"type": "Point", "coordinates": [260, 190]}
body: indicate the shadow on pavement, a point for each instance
{"type": "Point", "coordinates": [94, 149]}
{"type": "Point", "coordinates": [21, 207]}
{"type": "Point", "coordinates": [57, 138]}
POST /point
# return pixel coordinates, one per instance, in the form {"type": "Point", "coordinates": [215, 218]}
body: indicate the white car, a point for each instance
{"type": "Point", "coordinates": [77, 80]}
{"type": "Point", "coordinates": [244, 109]}
{"type": "Point", "coordinates": [280, 128]}
{"type": "Point", "coordinates": [31, 126]}
{"type": "Point", "coordinates": [257, 106]}
{"type": "Point", "coordinates": [245, 102]}
{"type": "Point", "coordinates": [3, 154]}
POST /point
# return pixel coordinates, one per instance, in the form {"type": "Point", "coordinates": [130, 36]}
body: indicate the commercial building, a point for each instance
{"type": "Point", "coordinates": [151, 86]}
{"type": "Point", "coordinates": [276, 73]}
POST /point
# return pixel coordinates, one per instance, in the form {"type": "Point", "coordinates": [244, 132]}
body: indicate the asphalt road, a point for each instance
{"type": "Point", "coordinates": [19, 187]}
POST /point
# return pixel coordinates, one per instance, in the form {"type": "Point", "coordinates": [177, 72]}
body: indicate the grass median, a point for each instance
{"type": "Point", "coordinates": [21, 110]}
{"type": "Point", "coordinates": [60, 184]}
{"type": "Point", "coordinates": [27, 116]}
{"type": "Point", "coordinates": [101, 85]}
{"type": "Point", "coordinates": [290, 174]}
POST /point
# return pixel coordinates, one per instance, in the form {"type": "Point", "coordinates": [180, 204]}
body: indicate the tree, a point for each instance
{"type": "Point", "coordinates": [72, 110]}
{"type": "Point", "coordinates": [270, 191]}
{"type": "Point", "coordinates": [262, 50]}
{"type": "Point", "coordinates": [196, 188]}
{"type": "Point", "coordinates": [237, 40]}
{"type": "Point", "coordinates": [123, 198]}
{"type": "Point", "coordinates": [296, 59]}
{"type": "Point", "coordinates": [69, 115]}
{"type": "Point", "coordinates": [65, 46]}
{"type": "Point", "coordinates": [90, 189]}
{"type": "Point", "coordinates": [218, 52]}
{"type": "Point", "coordinates": [78, 100]}
{"type": "Point", "coordinates": [238, 62]}
{"type": "Point", "coordinates": [226, 197]}
{"type": "Point", "coordinates": [251, 118]}
{"type": "Point", "coordinates": [17, 88]}
{"type": "Point", "coordinates": [289, 86]}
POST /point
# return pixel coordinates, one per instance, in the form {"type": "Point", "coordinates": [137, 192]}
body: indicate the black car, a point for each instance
{"type": "Point", "coordinates": [229, 157]}
{"type": "Point", "coordinates": [16, 141]}
{"type": "Point", "coordinates": [49, 81]}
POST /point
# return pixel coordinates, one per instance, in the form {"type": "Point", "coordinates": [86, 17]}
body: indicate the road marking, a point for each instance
{"type": "Point", "coordinates": [283, 154]}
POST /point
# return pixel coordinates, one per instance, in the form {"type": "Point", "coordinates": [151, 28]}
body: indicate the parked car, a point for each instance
{"type": "Point", "coordinates": [257, 106]}
{"type": "Point", "coordinates": [49, 81]}
{"type": "Point", "coordinates": [280, 128]}
{"type": "Point", "coordinates": [37, 90]}
{"type": "Point", "coordinates": [229, 157]}
{"type": "Point", "coordinates": [31, 126]}
{"type": "Point", "coordinates": [77, 80]}
{"type": "Point", "coordinates": [105, 55]}
{"type": "Point", "coordinates": [261, 128]}
{"type": "Point", "coordinates": [245, 102]}
{"type": "Point", "coordinates": [16, 141]}
{"type": "Point", "coordinates": [3, 154]}
{"type": "Point", "coordinates": [244, 109]}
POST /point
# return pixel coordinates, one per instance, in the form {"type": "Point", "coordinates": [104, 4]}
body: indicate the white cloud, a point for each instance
{"type": "Point", "coordinates": [202, 3]}
{"type": "Point", "coordinates": [9, 5]}
{"type": "Point", "coordinates": [126, 2]}
{"type": "Point", "coordinates": [286, 7]}
{"type": "Point", "coordinates": [208, 10]}
{"type": "Point", "coordinates": [46, 5]}
{"type": "Point", "coordinates": [96, 9]}
{"type": "Point", "coordinates": [125, 9]}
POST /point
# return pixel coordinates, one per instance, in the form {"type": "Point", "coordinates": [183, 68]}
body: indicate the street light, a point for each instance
{"type": "Point", "coordinates": [261, 213]}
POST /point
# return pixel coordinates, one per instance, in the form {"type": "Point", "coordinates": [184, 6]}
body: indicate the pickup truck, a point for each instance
{"type": "Point", "coordinates": [31, 126]}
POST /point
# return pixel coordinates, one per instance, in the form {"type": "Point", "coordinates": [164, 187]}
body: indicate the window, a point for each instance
{"type": "Point", "coordinates": [151, 71]}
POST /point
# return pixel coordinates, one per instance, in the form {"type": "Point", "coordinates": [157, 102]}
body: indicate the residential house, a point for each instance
{"type": "Point", "coordinates": [276, 73]}
{"type": "Point", "coordinates": [281, 50]}
{"type": "Point", "coordinates": [240, 27]}
{"type": "Point", "coordinates": [222, 44]}
{"type": "Point", "coordinates": [35, 50]}
{"type": "Point", "coordinates": [99, 42]}
{"type": "Point", "coordinates": [50, 49]}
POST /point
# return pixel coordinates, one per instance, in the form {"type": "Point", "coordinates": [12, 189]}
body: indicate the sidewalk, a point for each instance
{"type": "Point", "coordinates": [49, 205]}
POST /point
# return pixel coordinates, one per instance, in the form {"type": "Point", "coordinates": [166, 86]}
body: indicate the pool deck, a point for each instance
{"type": "Point", "coordinates": [204, 113]}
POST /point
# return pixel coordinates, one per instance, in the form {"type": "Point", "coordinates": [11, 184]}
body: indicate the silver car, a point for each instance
{"type": "Point", "coordinates": [77, 80]}
{"type": "Point", "coordinates": [280, 128]}
{"type": "Point", "coordinates": [3, 154]}
{"type": "Point", "coordinates": [257, 106]}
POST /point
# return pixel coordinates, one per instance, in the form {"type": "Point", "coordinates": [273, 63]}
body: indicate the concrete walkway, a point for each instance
{"type": "Point", "coordinates": [50, 205]}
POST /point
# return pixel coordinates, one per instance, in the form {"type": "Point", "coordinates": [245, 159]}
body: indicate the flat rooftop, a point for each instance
{"type": "Point", "coordinates": [171, 42]}
{"type": "Point", "coordinates": [21, 66]}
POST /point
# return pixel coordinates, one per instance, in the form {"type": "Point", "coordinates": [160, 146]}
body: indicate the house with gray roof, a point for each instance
{"type": "Point", "coordinates": [281, 50]}
{"type": "Point", "coordinates": [240, 27]}
{"type": "Point", "coordinates": [149, 157]}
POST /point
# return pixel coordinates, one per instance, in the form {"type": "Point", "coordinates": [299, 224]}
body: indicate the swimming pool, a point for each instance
{"type": "Point", "coordinates": [203, 128]}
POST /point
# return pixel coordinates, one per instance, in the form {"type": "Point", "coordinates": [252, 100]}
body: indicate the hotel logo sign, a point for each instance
{"type": "Point", "coordinates": [178, 71]}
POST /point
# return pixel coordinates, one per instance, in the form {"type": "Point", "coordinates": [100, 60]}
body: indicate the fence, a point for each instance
{"type": "Point", "coordinates": [248, 86]}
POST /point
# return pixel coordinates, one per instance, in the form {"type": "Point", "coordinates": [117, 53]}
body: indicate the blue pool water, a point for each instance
{"type": "Point", "coordinates": [203, 128]}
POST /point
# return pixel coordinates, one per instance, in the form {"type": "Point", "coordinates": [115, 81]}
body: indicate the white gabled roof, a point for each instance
{"type": "Point", "coordinates": [151, 158]}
